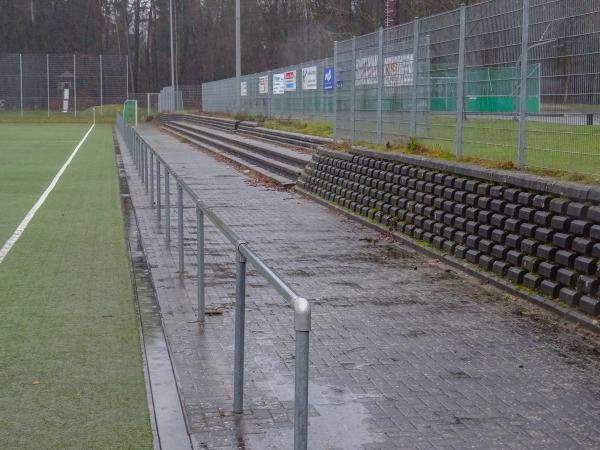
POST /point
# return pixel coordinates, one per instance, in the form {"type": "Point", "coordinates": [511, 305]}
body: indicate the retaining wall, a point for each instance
{"type": "Point", "coordinates": [538, 233]}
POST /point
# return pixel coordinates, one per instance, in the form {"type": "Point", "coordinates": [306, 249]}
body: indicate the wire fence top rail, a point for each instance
{"type": "Point", "coordinates": [504, 80]}
{"type": "Point", "coordinates": [148, 163]}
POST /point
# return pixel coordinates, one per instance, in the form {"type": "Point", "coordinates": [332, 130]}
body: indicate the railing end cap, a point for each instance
{"type": "Point", "coordinates": [302, 314]}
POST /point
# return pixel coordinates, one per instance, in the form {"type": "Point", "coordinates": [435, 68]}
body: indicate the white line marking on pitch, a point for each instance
{"type": "Point", "coordinates": [23, 225]}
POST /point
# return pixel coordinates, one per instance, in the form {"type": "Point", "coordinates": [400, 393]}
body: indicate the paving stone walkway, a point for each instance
{"type": "Point", "coordinates": [405, 352]}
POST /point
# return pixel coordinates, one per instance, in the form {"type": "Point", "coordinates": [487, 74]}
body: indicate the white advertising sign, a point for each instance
{"type": "Point", "coordinates": [263, 85]}
{"type": "Point", "coordinates": [366, 71]}
{"type": "Point", "coordinates": [278, 83]}
{"type": "Point", "coordinates": [398, 70]}
{"type": "Point", "coordinates": [244, 88]}
{"type": "Point", "coordinates": [309, 78]}
{"type": "Point", "coordinates": [290, 80]}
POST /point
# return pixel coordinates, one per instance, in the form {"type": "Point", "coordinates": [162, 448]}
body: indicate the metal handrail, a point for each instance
{"type": "Point", "coordinates": [145, 158]}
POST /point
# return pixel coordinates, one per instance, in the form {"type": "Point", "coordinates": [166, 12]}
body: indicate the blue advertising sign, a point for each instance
{"type": "Point", "coordinates": [328, 78]}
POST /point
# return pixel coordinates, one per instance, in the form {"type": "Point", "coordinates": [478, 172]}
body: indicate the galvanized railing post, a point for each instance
{"type": "Point", "coordinates": [158, 200]}
{"type": "Point", "coordinates": [302, 319]}
{"type": "Point", "coordinates": [146, 167]}
{"type": "Point", "coordinates": [143, 161]}
{"type": "Point", "coordinates": [152, 179]}
{"type": "Point", "coordinates": [180, 225]}
{"type": "Point", "coordinates": [200, 262]}
{"type": "Point", "coordinates": [167, 204]}
{"type": "Point", "coordinates": [135, 154]}
{"type": "Point", "coordinates": [240, 318]}
{"type": "Point", "coordinates": [460, 83]}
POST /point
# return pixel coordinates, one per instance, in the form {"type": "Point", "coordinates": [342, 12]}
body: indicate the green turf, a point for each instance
{"type": "Point", "coordinates": [568, 148]}
{"type": "Point", "coordinates": [106, 114]}
{"type": "Point", "coordinates": [71, 373]}
{"type": "Point", "coordinates": [30, 156]}
{"type": "Point", "coordinates": [549, 146]}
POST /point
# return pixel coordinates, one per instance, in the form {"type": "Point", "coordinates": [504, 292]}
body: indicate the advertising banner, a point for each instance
{"type": "Point", "coordinates": [263, 85]}
{"type": "Point", "coordinates": [309, 78]}
{"type": "Point", "coordinates": [290, 80]}
{"type": "Point", "coordinates": [366, 71]}
{"type": "Point", "coordinates": [398, 70]}
{"type": "Point", "coordinates": [278, 83]}
{"type": "Point", "coordinates": [328, 78]}
{"type": "Point", "coordinates": [244, 88]}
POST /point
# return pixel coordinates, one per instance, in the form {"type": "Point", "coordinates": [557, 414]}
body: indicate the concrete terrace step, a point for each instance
{"type": "Point", "coordinates": [266, 149]}
{"type": "Point", "coordinates": [252, 129]}
{"type": "Point", "coordinates": [279, 172]}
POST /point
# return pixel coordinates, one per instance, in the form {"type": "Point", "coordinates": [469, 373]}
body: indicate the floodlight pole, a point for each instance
{"type": "Point", "coordinates": [172, 56]}
{"type": "Point", "coordinates": [238, 53]}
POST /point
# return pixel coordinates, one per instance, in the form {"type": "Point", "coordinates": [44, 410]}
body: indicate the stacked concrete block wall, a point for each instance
{"type": "Point", "coordinates": [536, 233]}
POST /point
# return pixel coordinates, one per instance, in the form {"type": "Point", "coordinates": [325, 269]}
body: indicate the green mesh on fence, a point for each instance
{"type": "Point", "coordinates": [487, 89]}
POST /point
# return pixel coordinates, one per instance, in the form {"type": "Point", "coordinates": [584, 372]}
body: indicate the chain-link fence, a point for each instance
{"type": "Point", "coordinates": [61, 84]}
{"type": "Point", "coordinates": [188, 98]}
{"type": "Point", "coordinates": [507, 80]}
{"type": "Point", "coordinates": [303, 91]}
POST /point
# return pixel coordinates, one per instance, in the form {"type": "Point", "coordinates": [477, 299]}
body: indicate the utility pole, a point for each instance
{"type": "Point", "coordinates": [173, 56]}
{"type": "Point", "coordinates": [238, 52]}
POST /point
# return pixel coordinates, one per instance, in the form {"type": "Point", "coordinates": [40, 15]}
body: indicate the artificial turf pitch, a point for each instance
{"type": "Point", "coordinates": [71, 373]}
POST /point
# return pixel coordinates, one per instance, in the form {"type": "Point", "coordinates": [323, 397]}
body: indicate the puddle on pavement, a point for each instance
{"type": "Point", "coordinates": [337, 418]}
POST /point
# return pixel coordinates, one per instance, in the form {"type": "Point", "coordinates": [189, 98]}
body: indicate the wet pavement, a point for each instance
{"type": "Point", "coordinates": [405, 351]}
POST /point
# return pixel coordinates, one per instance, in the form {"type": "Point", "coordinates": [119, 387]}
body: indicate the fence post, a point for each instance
{"type": "Point", "coordinates": [148, 104]}
{"type": "Point", "coordinates": [200, 262]}
{"type": "Point", "coordinates": [21, 79]}
{"type": "Point", "coordinates": [238, 54]}
{"type": "Point", "coordinates": [48, 80]}
{"type": "Point", "coordinates": [353, 106]}
{"type": "Point", "coordinates": [240, 313]}
{"type": "Point", "coordinates": [380, 79]}
{"type": "Point", "coordinates": [523, 86]}
{"type": "Point", "coordinates": [414, 99]}
{"type": "Point", "coordinates": [127, 77]}
{"type": "Point", "coordinates": [101, 88]}
{"type": "Point", "coordinates": [158, 200]}
{"type": "Point", "coordinates": [270, 95]}
{"type": "Point", "coordinates": [320, 71]}
{"type": "Point", "coordinates": [168, 204]}
{"type": "Point", "coordinates": [302, 319]}
{"type": "Point", "coordinates": [460, 83]}
{"type": "Point", "coordinates": [335, 91]}
{"type": "Point", "coordinates": [74, 85]}
{"type": "Point", "coordinates": [180, 226]}
{"type": "Point", "coordinates": [152, 179]}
